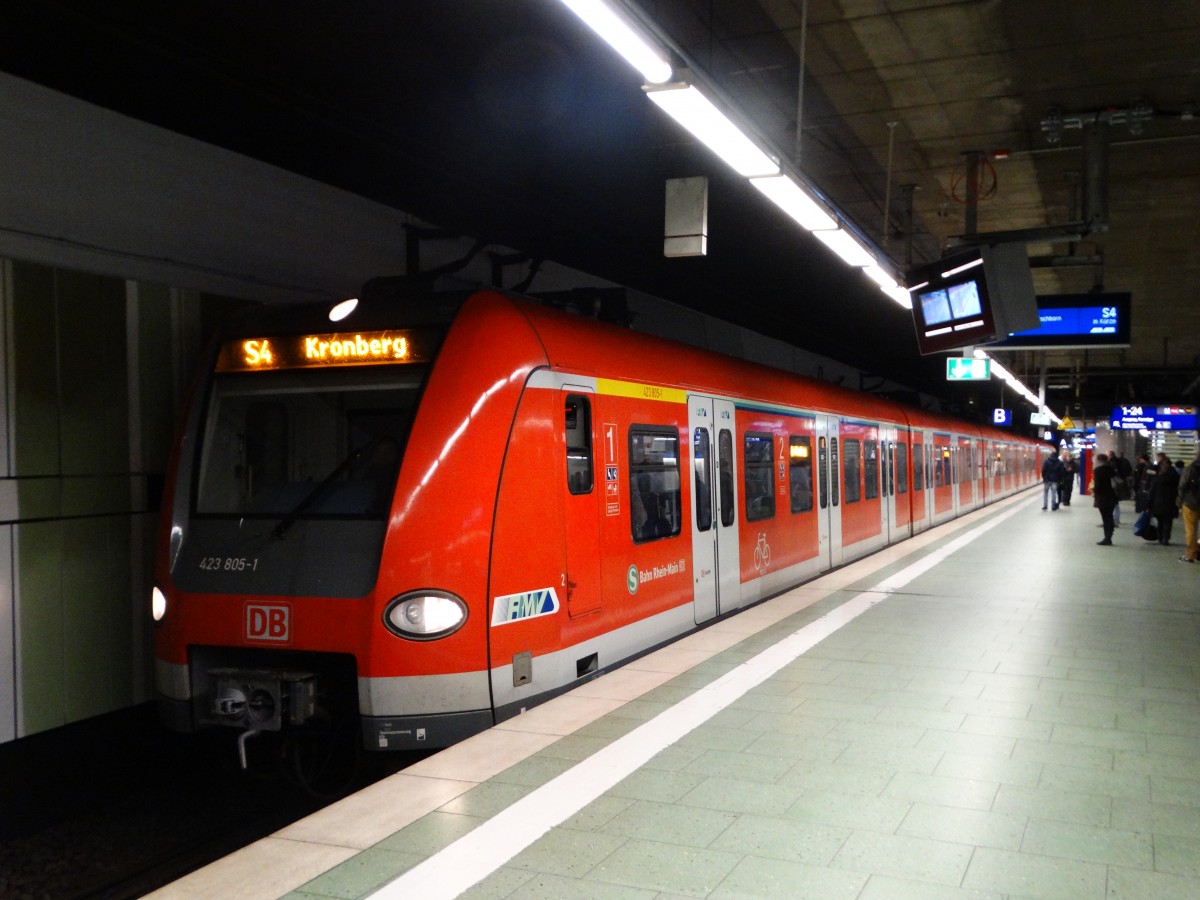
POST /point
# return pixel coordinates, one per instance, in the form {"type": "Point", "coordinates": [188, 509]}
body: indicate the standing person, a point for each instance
{"type": "Point", "coordinates": [1163, 491]}
{"type": "Point", "coordinates": [1104, 497]}
{"type": "Point", "coordinates": [1066, 483]}
{"type": "Point", "coordinates": [1141, 482]}
{"type": "Point", "coordinates": [1051, 474]}
{"type": "Point", "coordinates": [1189, 506]}
{"type": "Point", "coordinates": [1124, 490]}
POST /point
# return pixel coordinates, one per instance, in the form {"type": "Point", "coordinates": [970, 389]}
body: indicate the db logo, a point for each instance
{"type": "Point", "coordinates": [268, 623]}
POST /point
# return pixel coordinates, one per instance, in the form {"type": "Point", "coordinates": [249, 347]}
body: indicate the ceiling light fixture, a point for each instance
{"type": "Point", "coordinates": [1015, 383]}
{"type": "Point", "coordinates": [616, 31]}
{"type": "Point", "coordinates": [851, 251]}
{"type": "Point", "coordinates": [340, 310]}
{"type": "Point", "coordinates": [685, 104]}
{"type": "Point", "coordinates": [888, 284]}
{"type": "Point", "coordinates": [972, 264]}
{"type": "Point", "coordinates": [623, 29]}
{"type": "Point", "coordinates": [795, 201]}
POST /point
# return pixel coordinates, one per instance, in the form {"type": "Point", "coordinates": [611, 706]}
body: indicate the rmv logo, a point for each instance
{"type": "Point", "coordinates": [526, 605]}
{"type": "Point", "coordinates": [268, 623]}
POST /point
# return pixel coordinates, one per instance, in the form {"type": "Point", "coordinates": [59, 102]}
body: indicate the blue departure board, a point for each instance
{"type": "Point", "coordinates": [1154, 418]}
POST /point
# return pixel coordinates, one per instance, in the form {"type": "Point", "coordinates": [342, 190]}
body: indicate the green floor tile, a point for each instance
{"type": "Point", "coordinates": [1088, 843]}
{"type": "Point", "coordinates": [983, 828]}
{"type": "Point", "coordinates": [755, 878]}
{"type": "Point", "coordinates": [670, 823]}
{"type": "Point", "coordinates": [1177, 855]}
{"type": "Point", "coordinates": [780, 838]}
{"type": "Point", "coordinates": [1025, 875]}
{"type": "Point", "coordinates": [686, 871]}
{"type": "Point", "coordinates": [941, 862]}
{"type": "Point", "coordinates": [566, 852]}
{"type": "Point", "coordinates": [362, 874]}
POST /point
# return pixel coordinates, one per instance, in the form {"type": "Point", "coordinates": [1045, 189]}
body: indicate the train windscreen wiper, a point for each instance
{"type": "Point", "coordinates": [311, 497]}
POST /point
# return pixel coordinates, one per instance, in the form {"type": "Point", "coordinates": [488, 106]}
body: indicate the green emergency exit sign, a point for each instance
{"type": "Point", "coordinates": [962, 368]}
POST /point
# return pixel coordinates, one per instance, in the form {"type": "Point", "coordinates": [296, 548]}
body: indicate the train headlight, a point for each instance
{"type": "Point", "coordinates": [425, 615]}
{"type": "Point", "coordinates": [158, 604]}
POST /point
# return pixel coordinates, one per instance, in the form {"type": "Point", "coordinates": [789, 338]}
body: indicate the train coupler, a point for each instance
{"type": "Point", "coordinates": [262, 700]}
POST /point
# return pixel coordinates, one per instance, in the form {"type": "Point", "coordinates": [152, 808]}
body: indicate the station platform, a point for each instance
{"type": "Point", "coordinates": [997, 708]}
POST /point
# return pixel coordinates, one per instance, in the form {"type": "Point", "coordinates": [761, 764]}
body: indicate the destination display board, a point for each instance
{"type": "Point", "coordinates": [1074, 320]}
{"type": "Point", "coordinates": [1154, 418]}
{"type": "Point", "coordinates": [325, 351]}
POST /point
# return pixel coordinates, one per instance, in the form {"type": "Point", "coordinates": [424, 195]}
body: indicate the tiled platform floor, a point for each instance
{"type": "Point", "coordinates": [1021, 720]}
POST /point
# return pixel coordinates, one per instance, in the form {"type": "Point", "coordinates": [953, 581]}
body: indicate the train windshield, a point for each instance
{"type": "Point", "coordinates": [305, 444]}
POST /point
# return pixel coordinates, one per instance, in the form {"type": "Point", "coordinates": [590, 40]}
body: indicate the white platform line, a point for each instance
{"type": "Point", "coordinates": [477, 854]}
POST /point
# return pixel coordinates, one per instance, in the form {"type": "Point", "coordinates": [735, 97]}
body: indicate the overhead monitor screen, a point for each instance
{"type": "Point", "coordinates": [972, 296]}
{"type": "Point", "coordinates": [964, 300]}
{"type": "Point", "coordinates": [935, 306]}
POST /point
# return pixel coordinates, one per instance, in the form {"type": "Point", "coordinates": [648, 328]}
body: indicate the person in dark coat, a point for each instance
{"type": "Point", "coordinates": [1103, 496]}
{"type": "Point", "coordinates": [1066, 482]}
{"type": "Point", "coordinates": [1051, 474]}
{"type": "Point", "coordinates": [1163, 491]}
{"type": "Point", "coordinates": [1142, 473]}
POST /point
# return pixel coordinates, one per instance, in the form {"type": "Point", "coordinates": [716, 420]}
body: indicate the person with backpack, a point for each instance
{"type": "Point", "coordinates": [1189, 507]}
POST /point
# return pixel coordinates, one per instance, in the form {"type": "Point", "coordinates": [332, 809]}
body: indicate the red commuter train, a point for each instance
{"type": "Point", "coordinates": [441, 511]}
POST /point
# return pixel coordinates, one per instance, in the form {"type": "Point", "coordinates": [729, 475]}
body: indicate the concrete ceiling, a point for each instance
{"type": "Point", "coordinates": [506, 120]}
{"type": "Point", "coordinates": [927, 84]}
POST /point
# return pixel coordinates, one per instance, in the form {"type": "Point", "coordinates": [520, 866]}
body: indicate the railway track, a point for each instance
{"type": "Point", "coordinates": [116, 807]}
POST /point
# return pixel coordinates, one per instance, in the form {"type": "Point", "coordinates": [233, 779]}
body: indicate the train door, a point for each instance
{"type": "Point", "coordinates": [829, 492]}
{"type": "Point", "coordinates": [581, 581]}
{"type": "Point", "coordinates": [714, 507]}
{"type": "Point", "coordinates": [901, 486]}
{"type": "Point", "coordinates": [968, 483]}
{"type": "Point", "coordinates": [887, 473]}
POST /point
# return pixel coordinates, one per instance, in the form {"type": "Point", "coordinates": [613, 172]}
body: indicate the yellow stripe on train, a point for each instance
{"type": "Point", "coordinates": [614, 388]}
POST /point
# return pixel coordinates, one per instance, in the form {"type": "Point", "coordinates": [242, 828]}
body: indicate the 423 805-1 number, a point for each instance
{"type": "Point", "coordinates": [229, 563]}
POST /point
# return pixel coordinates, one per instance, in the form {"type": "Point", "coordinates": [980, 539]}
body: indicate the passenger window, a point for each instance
{"type": "Point", "coordinates": [758, 465]}
{"type": "Point", "coordinates": [902, 468]}
{"type": "Point", "coordinates": [918, 467]}
{"type": "Point", "coordinates": [702, 462]}
{"type": "Point", "coordinates": [823, 472]}
{"type": "Point", "coordinates": [871, 469]}
{"type": "Point", "coordinates": [725, 474]}
{"type": "Point", "coordinates": [800, 473]}
{"type": "Point", "coordinates": [579, 444]}
{"type": "Point", "coordinates": [653, 482]}
{"type": "Point", "coordinates": [851, 477]}
{"type": "Point", "coordinates": [833, 467]}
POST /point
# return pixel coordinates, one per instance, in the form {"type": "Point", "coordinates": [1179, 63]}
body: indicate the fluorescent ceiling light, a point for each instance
{"type": "Point", "coordinates": [645, 56]}
{"type": "Point", "coordinates": [851, 251]}
{"type": "Point", "coordinates": [972, 264]}
{"type": "Point", "coordinates": [795, 201]}
{"type": "Point", "coordinates": [888, 284]}
{"type": "Point", "coordinates": [879, 276]}
{"type": "Point", "coordinates": [695, 112]}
